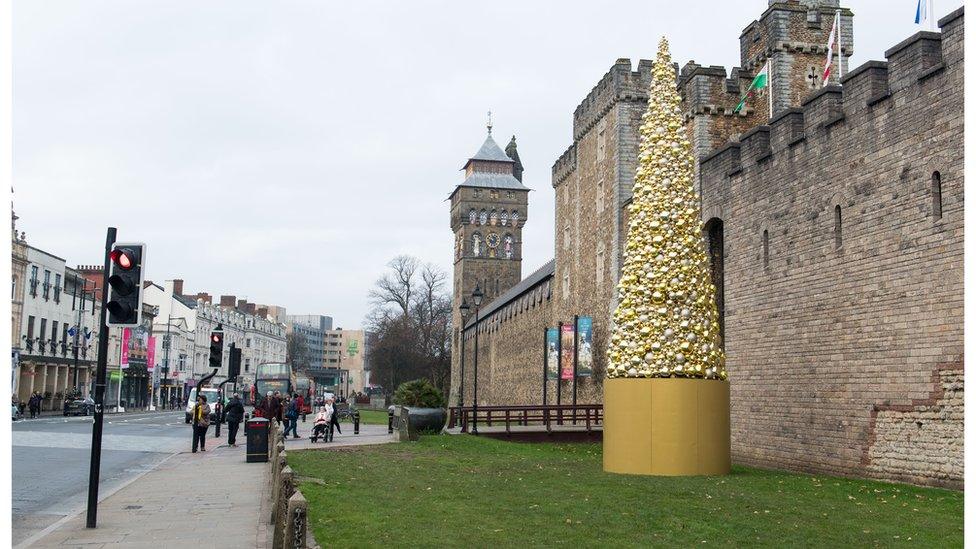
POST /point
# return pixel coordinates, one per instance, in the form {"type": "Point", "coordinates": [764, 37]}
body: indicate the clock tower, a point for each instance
{"type": "Point", "coordinates": [488, 211]}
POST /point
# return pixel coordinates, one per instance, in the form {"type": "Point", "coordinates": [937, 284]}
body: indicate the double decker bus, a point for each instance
{"type": "Point", "coordinates": [273, 376]}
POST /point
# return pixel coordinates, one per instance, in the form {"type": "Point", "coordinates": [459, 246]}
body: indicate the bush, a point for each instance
{"type": "Point", "coordinates": [420, 393]}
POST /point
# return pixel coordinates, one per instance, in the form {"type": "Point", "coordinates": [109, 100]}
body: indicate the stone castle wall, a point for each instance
{"type": "Point", "coordinates": [844, 350]}
{"type": "Point", "coordinates": [838, 333]}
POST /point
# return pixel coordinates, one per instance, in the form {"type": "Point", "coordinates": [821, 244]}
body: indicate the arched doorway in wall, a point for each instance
{"type": "Point", "coordinates": [715, 247]}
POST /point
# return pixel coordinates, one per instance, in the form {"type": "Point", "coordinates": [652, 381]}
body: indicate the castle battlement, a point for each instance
{"type": "Point", "coordinates": [620, 83]}
{"type": "Point", "coordinates": [711, 90]}
{"type": "Point", "coordinates": [565, 165]}
{"type": "Point", "coordinates": [873, 85]}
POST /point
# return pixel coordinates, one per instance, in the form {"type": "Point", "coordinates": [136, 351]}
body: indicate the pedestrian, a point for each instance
{"type": "Point", "coordinates": [201, 421]}
{"type": "Point", "coordinates": [234, 412]}
{"type": "Point", "coordinates": [292, 416]}
{"type": "Point", "coordinates": [320, 425]}
{"type": "Point", "coordinates": [334, 421]}
{"type": "Point", "coordinates": [277, 409]}
{"type": "Point", "coordinates": [301, 406]}
{"type": "Point", "coordinates": [34, 404]}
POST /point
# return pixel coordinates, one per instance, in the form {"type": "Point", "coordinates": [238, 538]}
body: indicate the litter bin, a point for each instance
{"type": "Point", "coordinates": [257, 440]}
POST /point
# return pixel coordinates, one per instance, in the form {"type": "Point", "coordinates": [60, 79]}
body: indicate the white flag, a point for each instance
{"type": "Point", "coordinates": [831, 40]}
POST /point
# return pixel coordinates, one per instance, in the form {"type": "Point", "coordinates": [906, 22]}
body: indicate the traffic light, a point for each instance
{"type": "Point", "coordinates": [234, 365]}
{"type": "Point", "coordinates": [125, 284]}
{"type": "Point", "coordinates": [216, 347]}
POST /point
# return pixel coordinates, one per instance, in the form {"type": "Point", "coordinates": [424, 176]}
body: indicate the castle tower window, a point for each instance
{"type": "Point", "coordinates": [483, 218]}
{"type": "Point", "coordinates": [566, 237]}
{"type": "Point", "coordinates": [493, 193]}
{"type": "Point", "coordinates": [600, 263]}
{"type": "Point", "coordinates": [493, 218]}
{"type": "Point", "coordinates": [838, 236]}
{"type": "Point", "coordinates": [472, 216]}
{"type": "Point", "coordinates": [503, 218]}
{"type": "Point", "coordinates": [599, 196]}
{"type": "Point", "coordinates": [765, 244]}
{"type": "Point", "coordinates": [937, 195]}
{"type": "Point", "coordinates": [515, 218]}
{"type": "Point", "coordinates": [566, 285]}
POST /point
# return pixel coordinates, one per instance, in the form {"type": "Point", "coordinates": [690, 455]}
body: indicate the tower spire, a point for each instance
{"type": "Point", "coordinates": [489, 122]}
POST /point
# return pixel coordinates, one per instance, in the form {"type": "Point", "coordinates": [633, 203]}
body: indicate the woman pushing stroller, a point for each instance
{"type": "Point", "coordinates": [326, 422]}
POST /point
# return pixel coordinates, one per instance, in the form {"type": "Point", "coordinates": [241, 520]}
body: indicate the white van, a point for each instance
{"type": "Point", "coordinates": [209, 392]}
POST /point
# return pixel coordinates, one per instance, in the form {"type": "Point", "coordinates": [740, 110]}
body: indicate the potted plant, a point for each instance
{"type": "Point", "coordinates": [424, 404]}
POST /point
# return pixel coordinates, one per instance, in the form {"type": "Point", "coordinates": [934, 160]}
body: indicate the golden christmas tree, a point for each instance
{"type": "Point", "coordinates": [666, 322]}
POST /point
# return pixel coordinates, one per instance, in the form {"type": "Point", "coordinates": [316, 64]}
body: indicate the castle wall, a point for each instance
{"type": "Point", "coordinates": [845, 351]}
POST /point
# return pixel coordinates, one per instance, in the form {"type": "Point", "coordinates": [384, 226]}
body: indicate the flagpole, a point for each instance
{"type": "Point", "coordinates": [840, 50]}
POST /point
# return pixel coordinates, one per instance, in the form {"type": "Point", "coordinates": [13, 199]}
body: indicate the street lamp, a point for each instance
{"type": "Point", "coordinates": [465, 310]}
{"type": "Point", "coordinates": [476, 296]}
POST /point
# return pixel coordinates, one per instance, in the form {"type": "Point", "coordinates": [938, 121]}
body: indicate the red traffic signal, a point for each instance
{"type": "Point", "coordinates": [123, 258]}
{"type": "Point", "coordinates": [216, 337]}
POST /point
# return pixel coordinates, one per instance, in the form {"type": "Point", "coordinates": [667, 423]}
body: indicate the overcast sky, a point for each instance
{"type": "Point", "coordinates": [285, 151]}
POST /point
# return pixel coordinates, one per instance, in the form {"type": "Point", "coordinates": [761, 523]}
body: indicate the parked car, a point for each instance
{"type": "Point", "coordinates": [80, 407]}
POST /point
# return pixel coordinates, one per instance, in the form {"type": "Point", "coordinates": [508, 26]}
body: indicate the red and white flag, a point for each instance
{"type": "Point", "coordinates": [834, 38]}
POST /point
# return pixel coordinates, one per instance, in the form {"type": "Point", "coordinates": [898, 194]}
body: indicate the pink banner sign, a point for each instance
{"type": "Point", "coordinates": [126, 336]}
{"type": "Point", "coordinates": [151, 353]}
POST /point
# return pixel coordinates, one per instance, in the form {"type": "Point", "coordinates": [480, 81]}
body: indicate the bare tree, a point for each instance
{"type": "Point", "coordinates": [396, 287]}
{"type": "Point", "coordinates": [410, 321]}
{"type": "Point", "coordinates": [299, 355]}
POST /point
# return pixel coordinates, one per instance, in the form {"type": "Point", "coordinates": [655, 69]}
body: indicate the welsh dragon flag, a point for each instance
{"type": "Point", "coordinates": [760, 82]}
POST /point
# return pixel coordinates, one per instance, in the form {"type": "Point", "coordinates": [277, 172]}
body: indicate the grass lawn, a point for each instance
{"type": "Point", "coordinates": [463, 491]}
{"type": "Point", "coordinates": [373, 417]}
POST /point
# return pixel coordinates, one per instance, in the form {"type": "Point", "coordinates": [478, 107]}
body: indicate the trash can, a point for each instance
{"type": "Point", "coordinates": [257, 440]}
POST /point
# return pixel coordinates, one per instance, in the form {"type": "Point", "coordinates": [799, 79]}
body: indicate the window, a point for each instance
{"type": "Point", "coordinates": [493, 193]}
{"type": "Point", "coordinates": [54, 333]}
{"type": "Point", "coordinates": [47, 284]}
{"type": "Point", "coordinates": [13, 287]}
{"type": "Point", "coordinates": [33, 281]}
{"type": "Point", "coordinates": [600, 263]}
{"type": "Point", "coordinates": [515, 218]}
{"type": "Point", "coordinates": [493, 218]}
{"type": "Point", "coordinates": [477, 193]}
{"type": "Point", "coordinates": [247, 343]}
{"type": "Point", "coordinates": [566, 237]}
{"type": "Point", "coordinates": [247, 365]}
{"type": "Point", "coordinates": [936, 195]}
{"type": "Point", "coordinates": [483, 217]}
{"type": "Point", "coordinates": [41, 339]}
{"type": "Point", "coordinates": [599, 196]}
{"type": "Point", "coordinates": [838, 237]}
{"type": "Point", "coordinates": [64, 337]}
{"type": "Point", "coordinates": [765, 244]}
{"type": "Point", "coordinates": [601, 139]}
{"type": "Point", "coordinates": [30, 333]}
{"type": "Point", "coordinates": [509, 194]}
{"type": "Point", "coordinates": [503, 218]}
{"type": "Point", "coordinates": [472, 216]}
{"type": "Point", "coordinates": [57, 288]}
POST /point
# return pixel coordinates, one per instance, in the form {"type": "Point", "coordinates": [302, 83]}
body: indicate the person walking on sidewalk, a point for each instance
{"type": "Point", "coordinates": [218, 408]}
{"type": "Point", "coordinates": [292, 415]}
{"type": "Point", "coordinates": [35, 404]}
{"type": "Point", "coordinates": [201, 421]}
{"type": "Point", "coordinates": [234, 412]}
{"type": "Point", "coordinates": [334, 420]}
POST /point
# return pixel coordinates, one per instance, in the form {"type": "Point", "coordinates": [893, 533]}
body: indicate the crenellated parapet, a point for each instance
{"type": "Point", "coordinates": [564, 166]}
{"type": "Point", "coordinates": [873, 85]}
{"type": "Point", "coordinates": [619, 84]}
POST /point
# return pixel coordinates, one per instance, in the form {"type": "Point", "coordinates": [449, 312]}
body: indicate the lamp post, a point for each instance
{"type": "Point", "coordinates": [465, 310]}
{"type": "Point", "coordinates": [476, 296]}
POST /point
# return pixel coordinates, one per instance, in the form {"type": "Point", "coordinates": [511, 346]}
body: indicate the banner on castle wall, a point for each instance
{"type": "Point", "coordinates": [552, 353]}
{"type": "Point", "coordinates": [585, 352]}
{"type": "Point", "coordinates": [567, 351]}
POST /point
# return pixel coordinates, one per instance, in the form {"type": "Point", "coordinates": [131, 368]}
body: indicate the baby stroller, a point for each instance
{"type": "Point", "coordinates": [320, 430]}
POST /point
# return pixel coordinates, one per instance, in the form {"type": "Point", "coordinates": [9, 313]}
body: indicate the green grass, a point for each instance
{"type": "Point", "coordinates": [374, 417]}
{"type": "Point", "coordinates": [463, 491]}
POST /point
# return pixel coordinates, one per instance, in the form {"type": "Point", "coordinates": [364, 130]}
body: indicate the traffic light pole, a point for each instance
{"type": "Point", "coordinates": [100, 374]}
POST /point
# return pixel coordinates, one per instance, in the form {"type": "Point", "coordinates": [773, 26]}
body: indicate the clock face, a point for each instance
{"type": "Point", "coordinates": [492, 240]}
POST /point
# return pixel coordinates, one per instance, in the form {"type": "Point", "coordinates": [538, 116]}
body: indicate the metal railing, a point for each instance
{"type": "Point", "coordinates": [585, 415]}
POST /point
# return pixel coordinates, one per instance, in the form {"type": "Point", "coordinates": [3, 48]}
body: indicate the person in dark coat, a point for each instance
{"type": "Point", "coordinates": [276, 407]}
{"type": "Point", "coordinates": [234, 412]}
{"type": "Point", "coordinates": [291, 414]}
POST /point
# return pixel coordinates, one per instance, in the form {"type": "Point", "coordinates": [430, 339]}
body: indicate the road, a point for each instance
{"type": "Point", "coordinates": [51, 460]}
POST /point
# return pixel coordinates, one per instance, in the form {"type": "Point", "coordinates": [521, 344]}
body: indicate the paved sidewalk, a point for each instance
{"type": "Point", "coordinates": [213, 497]}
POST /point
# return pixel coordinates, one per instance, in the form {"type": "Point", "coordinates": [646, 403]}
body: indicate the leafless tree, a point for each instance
{"type": "Point", "coordinates": [299, 355]}
{"type": "Point", "coordinates": [410, 322]}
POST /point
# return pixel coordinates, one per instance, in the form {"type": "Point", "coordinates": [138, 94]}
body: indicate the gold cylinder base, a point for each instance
{"type": "Point", "coordinates": [666, 426]}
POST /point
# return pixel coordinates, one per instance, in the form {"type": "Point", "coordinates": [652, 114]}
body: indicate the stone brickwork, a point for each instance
{"type": "Point", "coordinates": [835, 231]}
{"type": "Point", "coordinates": [843, 279]}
